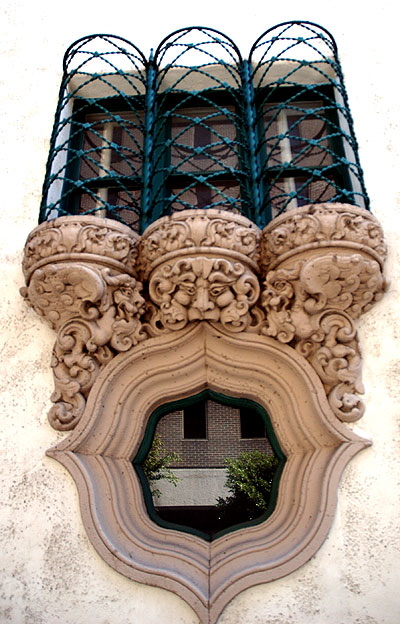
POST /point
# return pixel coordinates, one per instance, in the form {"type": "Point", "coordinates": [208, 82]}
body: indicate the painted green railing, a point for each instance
{"type": "Point", "coordinates": [197, 126]}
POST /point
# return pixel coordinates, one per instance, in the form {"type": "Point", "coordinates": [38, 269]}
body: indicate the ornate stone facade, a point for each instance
{"type": "Point", "coordinates": [80, 278]}
{"type": "Point", "coordinates": [205, 300]}
{"type": "Point", "coordinates": [323, 268]}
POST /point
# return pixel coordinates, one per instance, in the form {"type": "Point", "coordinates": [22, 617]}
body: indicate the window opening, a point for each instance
{"type": "Point", "coordinates": [198, 126]}
{"type": "Point", "coordinates": [210, 485]}
{"type": "Point", "coordinates": [195, 421]}
{"type": "Point", "coordinates": [252, 424]}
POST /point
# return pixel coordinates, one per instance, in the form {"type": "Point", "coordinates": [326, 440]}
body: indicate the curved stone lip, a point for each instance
{"type": "Point", "coordinates": [196, 252]}
{"type": "Point", "coordinates": [195, 223]}
{"type": "Point", "coordinates": [99, 451]}
{"type": "Point", "coordinates": [202, 212]}
{"type": "Point", "coordinates": [68, 227]}
{"type": "Point", "coordinates": [327, 235]}
{"type": "Point", "coordinates": [81, 258]}
{"type": "Point", "coordinates": [327, 245]}
{"type": "Point", "coordinates": [83, 219]}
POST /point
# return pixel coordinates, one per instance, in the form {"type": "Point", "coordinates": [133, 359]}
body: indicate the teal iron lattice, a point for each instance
{"type": "Point", "coordinates": [198, 126]}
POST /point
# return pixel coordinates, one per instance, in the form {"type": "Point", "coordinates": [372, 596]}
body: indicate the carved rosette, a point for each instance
{"type": "Point", "coordinates": [200, 265]}
{"type": "Point", "coordinates": [323, 268]}
{"type": "Point", "coordinates": [80, 278]}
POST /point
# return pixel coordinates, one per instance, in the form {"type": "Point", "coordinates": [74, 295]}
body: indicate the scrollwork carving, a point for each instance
{"type": "Point", "coordinates": [96, 313]}
{"type": "Point", "coordinates": [193, 232]}
{"type": "Point", "coordinates": [200, 266]}
{"type": "Point", "coordinates": [323, 270]}
{"type": "Point", "coordinates": [318, 226]}
{"type": "Point", "coordinates": [322, 265]}
{"type": "Point", "coordinates": [77, 236]}
{"type": "Point", "coordinates": [312, 307]}
{"type": "Point", "coordinates": [80, 276]}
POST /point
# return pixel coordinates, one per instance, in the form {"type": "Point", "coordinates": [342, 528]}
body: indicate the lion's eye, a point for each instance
{"type": "Point", "coordinates": [217, 290]}
{"type": "Point", "coordinates": [188, 288]}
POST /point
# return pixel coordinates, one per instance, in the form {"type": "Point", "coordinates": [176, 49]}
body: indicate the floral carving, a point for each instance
{"type": "Point", "coordinates": [312, 307]}
{"type": "Point", "coordinates": [96, 313]}
{"type": "Point", "coordinates": [67, 237]}
{"type": "Point", "coordinates": [321, 225]}
{"type": "Point", "coordinates": [197, 231]}
{"type": "Point", "coordinates": [202, 288]}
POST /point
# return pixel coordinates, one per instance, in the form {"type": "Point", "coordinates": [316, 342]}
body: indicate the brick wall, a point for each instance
{"type": "Point", "coordinates": [223, 438]}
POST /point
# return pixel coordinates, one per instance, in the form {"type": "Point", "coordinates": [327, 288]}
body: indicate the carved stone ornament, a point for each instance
{"type": "Point", "coordinates": [266, 316]}
{"type": "Point", "coordinates": [326, 263]}
{"type": "Point", "coordinates": [79, 272]}
{"type": "Point", "coordinates": [200, 266]}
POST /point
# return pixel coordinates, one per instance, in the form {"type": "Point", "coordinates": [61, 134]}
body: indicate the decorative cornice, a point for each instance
{"type": "Point", "coordinates": [318, 226]}
{"type": "Point", "coordinates": [81, 238]}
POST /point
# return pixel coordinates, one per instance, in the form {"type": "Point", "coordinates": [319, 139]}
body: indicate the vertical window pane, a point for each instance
{"type": "Point", "coordinates": [251, 424]}
{"type": "Point", "coordinates": [195, 421]}
{"type": "Point", "coordinates": [202, 140]}
{"type": "Point", "coordinates": [297, 137]}
{"type": "Point", "coordinates": [112, 145]}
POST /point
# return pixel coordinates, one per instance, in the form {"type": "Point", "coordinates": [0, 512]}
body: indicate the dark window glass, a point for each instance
{"type": "Point", "coordinates": [251, 424]}
{"type": "Point", "coordinates": [195, 421]}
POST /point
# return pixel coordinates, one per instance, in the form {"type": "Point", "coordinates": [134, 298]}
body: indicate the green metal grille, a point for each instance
{"type": "Point", "coordinates": [197, 126]}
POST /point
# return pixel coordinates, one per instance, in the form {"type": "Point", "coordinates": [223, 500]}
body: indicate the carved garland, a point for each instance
{"type": "Point", "coordinates": [267, 314]}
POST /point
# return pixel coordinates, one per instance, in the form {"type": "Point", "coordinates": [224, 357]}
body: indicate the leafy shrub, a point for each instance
{"type": "Point", "coordinates": [249, 481]}
{"type": "Point", "coordinates": [156, 465]}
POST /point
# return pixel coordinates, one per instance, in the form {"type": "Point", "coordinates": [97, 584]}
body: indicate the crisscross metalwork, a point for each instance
{"type": "Point", "coordinates": [307, 149]}
{"type": "Point", "coordinates": [197, 126]}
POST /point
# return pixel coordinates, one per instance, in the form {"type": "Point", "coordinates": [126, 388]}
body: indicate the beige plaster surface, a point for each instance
{"type": "Point", "coordinates": [49, 573]}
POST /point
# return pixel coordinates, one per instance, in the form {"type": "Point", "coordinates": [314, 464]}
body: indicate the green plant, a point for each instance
{"type": "Point", "coordinates": [249, 481]}
{"type": "Point", "coordinates": [156, 465]}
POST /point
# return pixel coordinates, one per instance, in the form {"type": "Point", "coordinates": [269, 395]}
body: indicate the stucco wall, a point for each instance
{"type": "Point", "coordinates": [49, 572]}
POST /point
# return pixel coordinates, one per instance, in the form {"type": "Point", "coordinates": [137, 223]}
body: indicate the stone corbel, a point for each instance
{"type": "Point", "coordinates": [200, 265]}
{"type": "Point", "coordinates": [323, 267]}
{"type": "Point", "coordinates": [80, 276]}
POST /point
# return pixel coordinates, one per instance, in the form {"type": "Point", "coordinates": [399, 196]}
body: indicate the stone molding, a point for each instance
{"type": "Point", "coordinates": [204, 300]}
{"type": "Point", "coordinates": [98, 454]}
{"type": "Point", "coordinates": [81, 238]}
